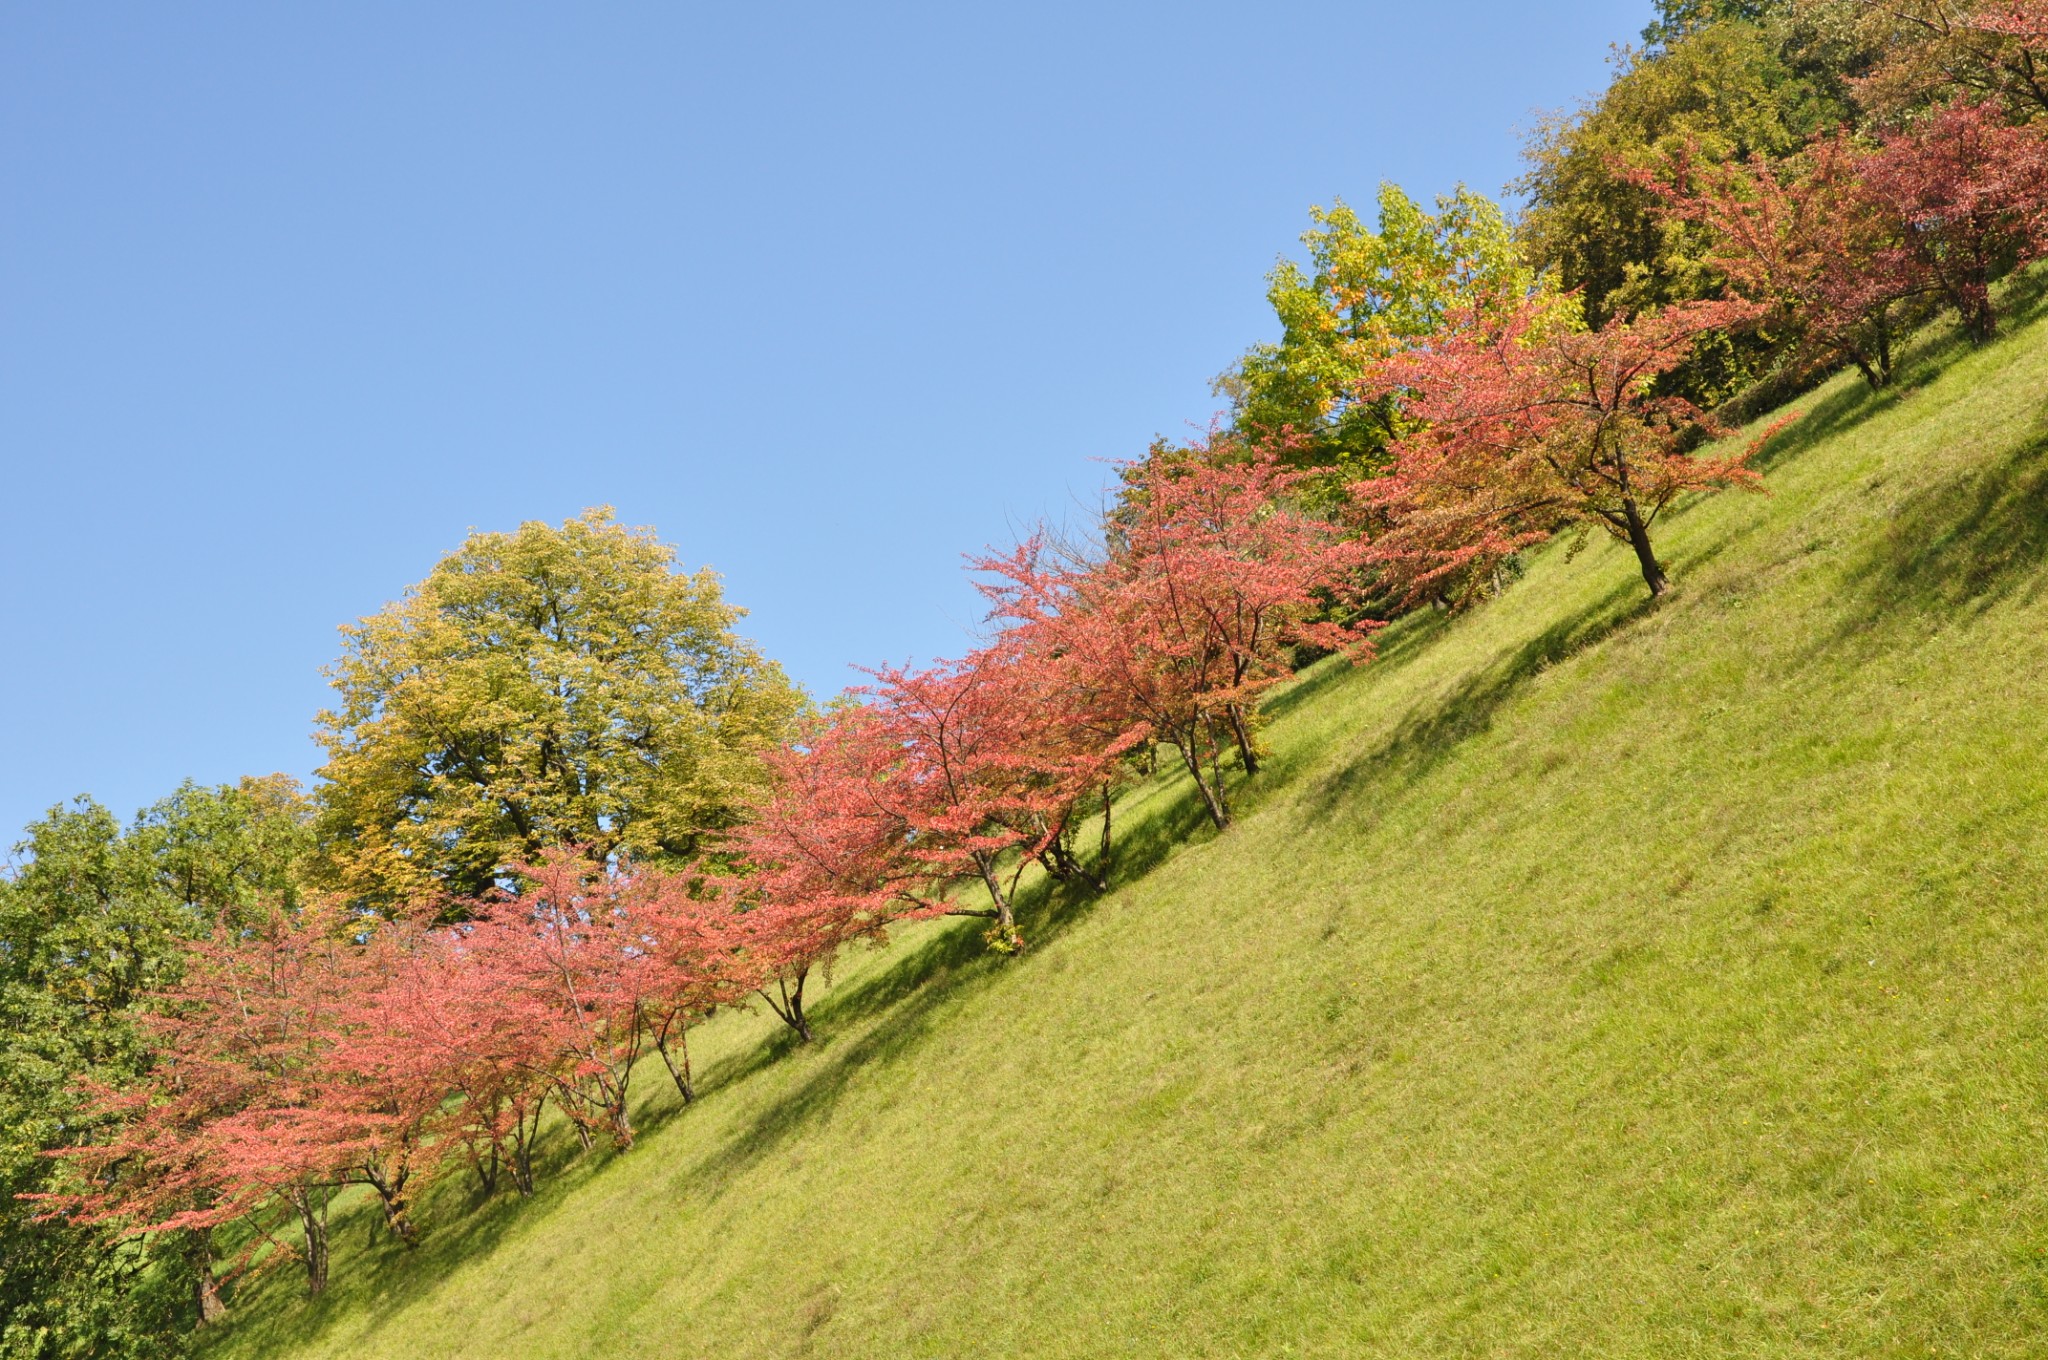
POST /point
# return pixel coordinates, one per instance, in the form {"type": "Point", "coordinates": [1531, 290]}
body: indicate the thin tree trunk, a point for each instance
{"type": "Point", "coordinates": [486, 1169]}
{"type": "Point", "coordinates": [1005, 920]}
{"type": "Point", "coordinates": [1243, 737]}
{"type": "Point", "coordinates": [391, 1194]}
{"type": "Point", "coordinates": [1102, 861]}
{"type": "Point", "coordinates": [791, 1008]}
{"type": "Point", "coordinates": [681, 1076]}
{"type": "Point", "coordinates": [1210, 797]}
{"type": "Point", "coordinates": [1639, 539]}
{"type": "Point", "coordinates": [619, 1115]}
{"type": "Point", "coordinates": [522, 1163]}
{"type": "Point", "coordinates": [617, 1110]}
{"type": "Point", "coordinates": [205, 1284]}
{"type": "Point", "coordinates": [313, 1220]}
{"type": "Point", "coordinates": [525, 1131]}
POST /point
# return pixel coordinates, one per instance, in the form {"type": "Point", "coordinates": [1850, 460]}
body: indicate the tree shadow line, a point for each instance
{"type": "Point", "coordinates": [889, 1013]}
{"type": "Point", "coordinates": [1958, 547]}
{"type": "Point", "coordinates": [1432, 733]}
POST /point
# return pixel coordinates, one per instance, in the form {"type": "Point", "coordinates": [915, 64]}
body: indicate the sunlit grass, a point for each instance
{"type": "Point", "coordinates": [1583, 977]}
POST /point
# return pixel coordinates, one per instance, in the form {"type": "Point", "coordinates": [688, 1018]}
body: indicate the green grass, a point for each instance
{"type": "Point", "coordinates": [1583, 977]}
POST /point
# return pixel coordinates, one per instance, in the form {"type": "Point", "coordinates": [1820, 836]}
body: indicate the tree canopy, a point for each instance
{"type": "Point", "coordinates": [551, 685]}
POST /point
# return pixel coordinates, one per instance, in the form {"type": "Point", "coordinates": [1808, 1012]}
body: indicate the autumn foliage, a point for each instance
{"type": "Point", "coordinates": [371, 1043]}
{"type": "Point", "coordinates": [1535, 425]}
{"type": "Point", "coordinates": [1842, 240]}
{"type": "Point", "coordinates": [1208, 579]}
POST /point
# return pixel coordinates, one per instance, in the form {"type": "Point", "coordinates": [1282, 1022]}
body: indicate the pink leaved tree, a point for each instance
{"type": "Point", "coordinates": [1530, 426]}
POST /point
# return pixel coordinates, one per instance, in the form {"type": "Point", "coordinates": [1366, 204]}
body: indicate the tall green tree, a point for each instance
{"type": "Point", "coordinates": [550, 685]}
{"type": "Point", "coordinates": [92, 917]}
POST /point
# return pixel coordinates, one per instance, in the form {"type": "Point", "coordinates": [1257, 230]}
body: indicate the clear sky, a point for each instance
{"type": "Point", "coordinates": [293, 296]}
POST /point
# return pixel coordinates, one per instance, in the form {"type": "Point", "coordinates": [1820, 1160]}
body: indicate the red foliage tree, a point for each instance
{"type": "Point", "coordinates": [1532, 426]}
{"type": "Point", "coordinates": [567, 954]}
{"type": "Point", "coordinates": [1805, 238]}
{"type": "Point", "coordinates": [992, 769]}
{"type": "Point", "coordinates": [1970, 195]}
{"type": "Point", "coordinates": [827, 855]}
{"type": "Point", "coordinates": [229, 1118]}
{"type": "Point", "coordinates": [442, 1002]}
{"type": "Point", "coordinates": [384, 1078]}
{"type": "Point", "coordinates": [1209, 576]}
{"type": "Point", "coordinates": [701, 958]}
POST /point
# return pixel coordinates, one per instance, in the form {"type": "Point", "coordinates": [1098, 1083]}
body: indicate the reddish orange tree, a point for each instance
{"type": "Point", "coordinates": [1210, 574]}
{"type": "Point", "coordinates": [826, 853]}
{"type": "Point", "coordinates": [568, 954]}
{"type": "Point", "coordinates": [229, 1119]}
{"type": "Point", "coordinates": [444, 1006]}
{"type": "Point", "coordinates": [1533, 426]}
{"type": "Point", "coordinates": [993, 768]}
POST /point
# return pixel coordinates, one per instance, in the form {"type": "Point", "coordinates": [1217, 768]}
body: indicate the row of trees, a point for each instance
{"type": "Point", "coordinates": [308, 1050]}
{"type": "Point", "coordinates": [351, 1040]}
{"type": "Point", "coordinates": [569, 813]}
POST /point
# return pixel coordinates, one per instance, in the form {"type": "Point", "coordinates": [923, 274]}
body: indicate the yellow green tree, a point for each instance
{"type": "Point", "coordinates": [551, 685]}
{"type": "Point", "coordinates": [1364, 294]}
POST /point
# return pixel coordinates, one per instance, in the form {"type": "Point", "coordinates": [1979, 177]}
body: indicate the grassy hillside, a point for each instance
{"type": "Point", "coordinates": [1584, 977]}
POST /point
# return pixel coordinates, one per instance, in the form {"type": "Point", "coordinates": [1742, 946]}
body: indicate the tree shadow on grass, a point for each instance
{"type": "Point", "coordinates": [884, 1015]}
{"type": "Point", "coordinates": [373, 1276]}
{"type": "Point", "coordinates": [1959, 547]}
{"type": "Point", "coordinates": [1923, 357]}
{"type": "Point", "coordinates": [908, 996]}
{"type": "Point", "coordinates": [1429, 736]}
{"type": "Point", "coordinates": [1395, 645]}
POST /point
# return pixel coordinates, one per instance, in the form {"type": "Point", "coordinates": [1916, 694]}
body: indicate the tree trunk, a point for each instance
{"type": "Point", "coordinates": [681, 1076]}
{"type": "Point", "coordinates": [523, 1135]}
{"type": "Point", "coordinates": [1102, 861]}
{"type": "Point", "coordinates": [205, 1284]}
{"type": "Point", "coordinates": [312, 1218]}
{"type": "Point", "coordinates": [1212, 799]}
{"type": "Point", "coordinates": [487, 1171]}
{"type": "Point", "coordinates": [522, 1169]}
{"type": "Point", "coordinates": [1242, 735]}
{"type": "Point", "coordinates": [618, 1114]}
{"type": "Point", "coordinates": [1005, 921]}
{"type": "Point", "coordinates": [791, 1009]}
{"type": "Point", "coordinates": [392, 1196]}
{"type": "Point", "coordinates": [1639, 539]}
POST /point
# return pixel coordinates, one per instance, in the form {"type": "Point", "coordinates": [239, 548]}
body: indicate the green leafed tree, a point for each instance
{"type": "Point", "coordinates": [550, 685]}
{"type": "Point", "coordinates": [93, 916]}
{"type": "Point", "coordinates": [1364, 293]}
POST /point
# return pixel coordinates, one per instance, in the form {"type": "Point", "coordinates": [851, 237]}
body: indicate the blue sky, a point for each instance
{"type": "Point", "coordinates": [294, 296]}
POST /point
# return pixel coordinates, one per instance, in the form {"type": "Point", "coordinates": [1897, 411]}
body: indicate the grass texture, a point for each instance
{"type": "Point", "coordinates": [1585, 976]}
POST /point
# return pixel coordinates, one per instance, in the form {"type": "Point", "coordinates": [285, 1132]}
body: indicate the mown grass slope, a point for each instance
{"type": "Point", "coordinates": [1584, 977]}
